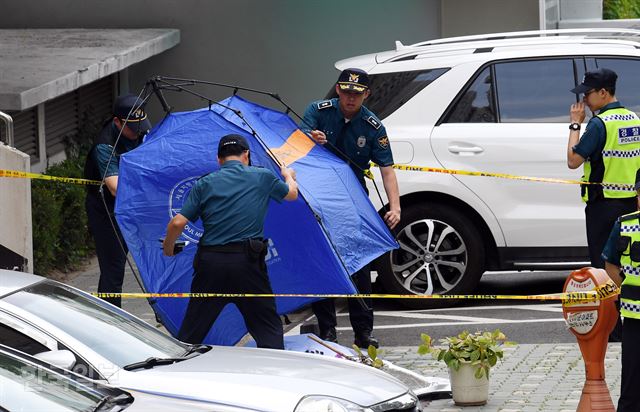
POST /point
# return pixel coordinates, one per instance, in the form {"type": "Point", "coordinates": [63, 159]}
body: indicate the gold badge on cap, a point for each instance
{"type": "Point", "coordinates": [354, 77]}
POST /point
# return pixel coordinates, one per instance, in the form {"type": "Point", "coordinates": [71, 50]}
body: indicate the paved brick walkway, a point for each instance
{"type": "Point", "coordinates": [542, 377]}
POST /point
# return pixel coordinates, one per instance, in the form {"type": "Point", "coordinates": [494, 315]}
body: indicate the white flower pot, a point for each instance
{"type": "Point", "coordinates": [467, 390]}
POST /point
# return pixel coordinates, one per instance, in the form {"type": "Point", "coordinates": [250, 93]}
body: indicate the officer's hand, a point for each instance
{"type": "Point", "coordinates": [167, 248]}
{"type": "Point", "coordinates": [392, 218]}
{"type": "Point", "coordinates": [319, 136]}
{"type": "Point", "coordinates": [576, 114]}
{"type": "Point", "coordinates": [288, 172]}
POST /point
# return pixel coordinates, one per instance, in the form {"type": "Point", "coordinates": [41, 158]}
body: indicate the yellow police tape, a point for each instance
{"type": "Point", "coordinates": [502, 176]}
{"type": "Point", "coordinates": [28, 175]}
{"type": "Point", "coordinates": [367, 173]}
{"type": "Point", "coordinates": [603, 292]}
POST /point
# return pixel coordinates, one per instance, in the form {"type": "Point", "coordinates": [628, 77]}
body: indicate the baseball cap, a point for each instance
{"type": "Point", "coordinates": [233, 139]}
{"type": "Point", "coordinates": [353, 79]}
{"type": "Point", "coordinates": [597, 79]}
{"type": "Point", "coordinates": [137, 119]}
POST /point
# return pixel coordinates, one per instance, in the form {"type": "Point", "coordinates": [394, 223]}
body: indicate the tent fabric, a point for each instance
{"type": "Point", "coordinates": [313, 246]}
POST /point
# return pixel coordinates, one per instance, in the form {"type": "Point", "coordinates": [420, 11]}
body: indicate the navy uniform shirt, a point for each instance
{"type": "Point", "coordinates": [592, 141]}
{"type": "Point", "coordinates": [363, 138]}
{"type": "Point", "coordinates": [610, 252]}
{"type": "Point", "coordinates": [232, 202]}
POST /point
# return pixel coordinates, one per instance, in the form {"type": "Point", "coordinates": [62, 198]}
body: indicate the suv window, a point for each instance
{"type": "Point", "coordinates": [476, 104]}
{"type": "Point", "coordinates": [389, 91]}
{"type": "Point", "coordinates": [535, 91]}
{"type": "Point", "coordinates": [627, 86]}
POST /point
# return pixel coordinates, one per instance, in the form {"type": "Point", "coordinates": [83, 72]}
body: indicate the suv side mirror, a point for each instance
{"type": "Point", "coordinates": [61, 358]}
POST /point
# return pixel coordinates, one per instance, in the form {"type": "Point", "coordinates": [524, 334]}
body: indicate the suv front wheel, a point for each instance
{"type": "Point", "coordinates": [440, 253]}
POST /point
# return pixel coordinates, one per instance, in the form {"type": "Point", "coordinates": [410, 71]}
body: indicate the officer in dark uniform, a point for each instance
{"type": "Point", "coordinates": [232, 204]}
{"type": "Point", "coordinates": [131, 124]}
{"type": "Point", "coordinates": [622, 262]}
{"type": "Point", "coordinates": [609, 149]}
{"type": "Point", "coordinates": [356, 135]}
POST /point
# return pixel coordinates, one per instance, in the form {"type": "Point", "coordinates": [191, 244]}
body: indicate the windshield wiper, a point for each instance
{"type": "Point", "coordinates": [109, 401]}
{"type": "Point", "coordinates": [151, 362]}
{"type": "Point", "coordinates": [198, 348]}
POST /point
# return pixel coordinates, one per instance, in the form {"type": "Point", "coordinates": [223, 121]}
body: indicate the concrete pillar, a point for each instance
{"type": "Point", "coordinates": [16, 242]}
{"type": "Point", "coordinates": [580, 9]}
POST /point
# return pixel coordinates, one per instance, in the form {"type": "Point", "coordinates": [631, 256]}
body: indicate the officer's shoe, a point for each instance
{"type": "Point", "coordinates": [329, 335]}
{"type": "Point", "coordinates": [365, 340]}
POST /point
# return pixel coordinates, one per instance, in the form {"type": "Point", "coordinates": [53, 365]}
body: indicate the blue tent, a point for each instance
{"type": "Point", "coordinates": [331, 231]}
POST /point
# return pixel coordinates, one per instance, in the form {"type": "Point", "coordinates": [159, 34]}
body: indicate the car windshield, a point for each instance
{"type": "Point", "coordinates": [26, 387]}
{"type": "Point", "coordinates": [110, 332]}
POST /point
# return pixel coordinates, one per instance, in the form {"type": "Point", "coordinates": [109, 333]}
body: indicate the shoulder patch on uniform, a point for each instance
{"type": "Point", "coordinates": [383, 142]}
{"type": "Point", "coordinates": [373, 122]}
{"type": "Point", "coordinates": [634, 215]}
{"type": "Point", "coordinates": [324, 104]}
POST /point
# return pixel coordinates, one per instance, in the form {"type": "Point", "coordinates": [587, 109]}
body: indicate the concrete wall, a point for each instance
{"type": "Point", "coordinates": [15, 218]}
{"type": "Point", "coordinates": [464, 17]}
{"type": "Point", "coordinates": [285, 46]}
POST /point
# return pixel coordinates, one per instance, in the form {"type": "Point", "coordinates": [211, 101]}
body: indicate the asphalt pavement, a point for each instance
{"type": "Point", "coordinates": [542, 374]}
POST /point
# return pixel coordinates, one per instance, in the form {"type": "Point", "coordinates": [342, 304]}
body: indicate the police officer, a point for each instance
{"type": "Point", "coordinates": [622, 262]}
{"type": "Point", "coordinates": [232, 204]}
{"type": "Point", "coordinates": [128, 125]}
{"type": "Point", "coordinates": [355, 134]}
{"type": "Point", "coordinates": [610, 152]}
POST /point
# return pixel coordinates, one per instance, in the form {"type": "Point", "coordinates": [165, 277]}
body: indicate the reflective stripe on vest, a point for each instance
{"type": "Point", "coordinates": [620, 155]}
{"type": "Point", "coordinates": [631, 227]}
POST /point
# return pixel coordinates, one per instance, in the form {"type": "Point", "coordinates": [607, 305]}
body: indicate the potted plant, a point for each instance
{"type": "Point", "coordinates": [469, 357]}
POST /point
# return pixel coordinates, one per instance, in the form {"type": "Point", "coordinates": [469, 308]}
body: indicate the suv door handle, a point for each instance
{"type": "Point", "coordinates": [468, 150]}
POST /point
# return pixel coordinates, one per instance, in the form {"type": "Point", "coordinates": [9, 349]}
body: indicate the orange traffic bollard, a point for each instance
{"type": "Point", "coordinates": [591, 322]}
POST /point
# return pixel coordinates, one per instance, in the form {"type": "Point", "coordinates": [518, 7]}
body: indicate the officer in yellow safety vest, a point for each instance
{"type": "Point", "coordinates": [622, 262]}
{"type": "Point", "coordinates": [610, 152]}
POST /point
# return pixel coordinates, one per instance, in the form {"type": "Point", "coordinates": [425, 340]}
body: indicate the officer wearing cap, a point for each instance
{"type": "Point", "coordinates": [355, 134]}
{"type": "Point", "coordinates": [610, 152]}
{"type": "Point", "coordinates": [622, 262]}
{"type": "Point", "coordinates": [120, 134]}
{"type": "Point", "coordinates": [232, 203]}
{"type": "Point", "coordinates": [609, 149]}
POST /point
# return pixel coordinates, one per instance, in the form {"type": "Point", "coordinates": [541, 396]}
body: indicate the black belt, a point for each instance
{"type": "Point", "coordinates": [234, 247]}
{"type": "Point", "coordinates": [630, 292]}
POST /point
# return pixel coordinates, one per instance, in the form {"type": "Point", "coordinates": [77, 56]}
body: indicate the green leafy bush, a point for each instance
{"type": "Point", "coordinates": [61, 239]}
{"type": "Point", "coordinates": [620, 9]}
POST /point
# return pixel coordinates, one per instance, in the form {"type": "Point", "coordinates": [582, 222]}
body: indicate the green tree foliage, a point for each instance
{"type": "Point", "coordinates": [620, 9]}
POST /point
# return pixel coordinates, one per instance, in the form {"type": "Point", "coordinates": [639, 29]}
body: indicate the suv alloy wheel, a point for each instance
{"type": "Point", "coordinates": [441, 252]}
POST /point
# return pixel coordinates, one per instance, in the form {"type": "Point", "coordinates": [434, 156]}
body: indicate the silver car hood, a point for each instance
{"type": "Point", "coordinates": [230, 374]}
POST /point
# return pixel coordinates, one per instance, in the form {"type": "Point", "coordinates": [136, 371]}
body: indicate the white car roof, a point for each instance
{"type": "Point", "coordinates": [448, 52]}
{"type": "Point", "coordinates": [10, 281]}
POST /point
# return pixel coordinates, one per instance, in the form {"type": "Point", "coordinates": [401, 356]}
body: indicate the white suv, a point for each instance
{"type": "Point", "coordinates": [495, 103]}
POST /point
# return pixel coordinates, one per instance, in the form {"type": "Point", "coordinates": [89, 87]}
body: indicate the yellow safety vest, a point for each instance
{"type": "Point", "coordinates": [630, 293]}
{"type": "Point", "coordinates": [620, 157]}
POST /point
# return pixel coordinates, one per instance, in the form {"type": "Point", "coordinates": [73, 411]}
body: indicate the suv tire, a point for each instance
{"type": "Point", "coordinates": [452, 264]}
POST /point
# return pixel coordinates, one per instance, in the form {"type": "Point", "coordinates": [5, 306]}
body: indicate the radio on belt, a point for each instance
{"type": "Point", "coordinates": [591, 322]}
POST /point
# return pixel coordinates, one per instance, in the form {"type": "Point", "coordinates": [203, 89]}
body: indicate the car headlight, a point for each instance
{"type": "Point", "coordinates": [328, 404]}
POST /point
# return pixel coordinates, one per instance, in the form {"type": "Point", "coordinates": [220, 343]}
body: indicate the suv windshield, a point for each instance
{"type": "Point", "coordinates": [90, 320]}
{"type": "Point", "coordinates": [389, 91]}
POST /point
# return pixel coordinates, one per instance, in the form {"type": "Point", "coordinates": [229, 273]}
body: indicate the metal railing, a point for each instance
{"type": "Point", "coordinates": [8, 123]}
